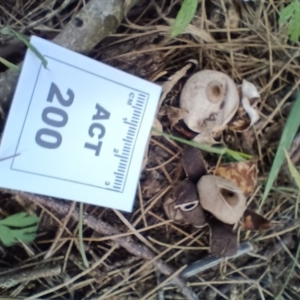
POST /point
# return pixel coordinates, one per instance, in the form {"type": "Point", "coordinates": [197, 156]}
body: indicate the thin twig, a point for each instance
{"type": "Point", "coordinates": [100, 226]}
{"type": "Point", "coordinates": [12, 279]}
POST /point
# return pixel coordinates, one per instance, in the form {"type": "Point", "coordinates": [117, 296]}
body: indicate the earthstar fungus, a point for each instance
{"type": "Point", "coordinates": [219, 202]}
{"type": "Point", "coordinates": [211, 100]}
{"type": "Point", "coordinates": [222, 198]}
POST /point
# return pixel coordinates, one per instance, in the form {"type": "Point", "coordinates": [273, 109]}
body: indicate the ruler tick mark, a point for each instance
{"type": "Point", "coordinates": [119, 174]}
{"type": "Point", "coordinates": [120, 156]}
{"type": "Point", "coordinates": [133, 122]}
{"type": "Point", "coordinates": [126, 140]}
{"type": "Point", "coordinates": [137, 108]}
{"type": "Point", "coordinates": [129, 123]}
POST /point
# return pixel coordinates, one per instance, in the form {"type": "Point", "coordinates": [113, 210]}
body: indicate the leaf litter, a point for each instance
{"type": "Point", "coordinates": [243, 41]}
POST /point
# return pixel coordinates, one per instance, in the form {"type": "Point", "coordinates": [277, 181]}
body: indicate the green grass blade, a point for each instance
{"type": "Point", "coordinates": [279, 296]}
{"type": "Point", "coordinates": [295, 174]}
{"type": "Point", "coordinates": [288, 134]}
{"type": "Point", "coordinates": [239, 156]}
{"type": "Point", "coordinates": [184, 16]}
{"type": "Point", "coordinates": [81, 245]}
{"type": "Point", "coordinates": [9, 31]}
{"type": "Point", "coordinates": [9, 65]}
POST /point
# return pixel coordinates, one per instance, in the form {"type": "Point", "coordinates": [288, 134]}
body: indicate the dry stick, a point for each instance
{"type": "Point", "coordinates": [95, 21]}
{"type": "Point", "coordinates": [60, 231]}
{"type": "Point", "coordinates": [132, 229]}
{"type": "Point", "coordinates": [100, 226]}
{"type": "Point", "coordinates": [136, 273]}
{"type": "Point", "coordinates": [142, 205]}
{"type": "Point", "coordinates": [12, 279]}
{"type": "Point", "coordinates": [65, 284]}
{"type": "Point", "coordinates": [162, 284]}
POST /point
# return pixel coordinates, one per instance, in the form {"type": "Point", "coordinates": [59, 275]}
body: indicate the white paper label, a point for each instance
{"type": "Point", "coordinates": [78, 129]}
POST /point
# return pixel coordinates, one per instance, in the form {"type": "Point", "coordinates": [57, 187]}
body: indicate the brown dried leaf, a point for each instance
{"type": "Point", "coordinates": [240, 121]}
{"type": "Point", "coordinates": [181, 128]}
{"type": "Point", "coordinates": [174, 114]}
{"type": "Point", "coordinates": [193, 163]}
{"type": "Point", "coordinates": [217, 16]}
{"type": "Point", "coordinates": [223, 240]}
{"type": "Point", "coordinates": [243, 174]}
{"type": "Point", "coordinates": [168, 85]}
{"type": "Point", "coordinates": [233, 17]}
{"type": "Point", "coordinates": [254, 221]}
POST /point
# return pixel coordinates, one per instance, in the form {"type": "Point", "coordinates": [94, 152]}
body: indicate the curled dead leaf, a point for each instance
{"type": "Point", "coordinates": [174, 114]}
{"type": "Point", "coordinates": [223, 240]}
{"type": "Point", "coordinates": [222, 198]}
{"type": "Point", "coordinates": [250, 91]}
{"type": "Point", "coordinates": [157, 126]}
{"type": "Point", "coordinates": [216, 14]}
{"type": "Point", "coordinates": [246, 114]}
{"type": "Point", "coordinates": [251, 111]}
{"type": "Point", "coordinates": [182, 129]}
{"type": "Point", "coordinates": [243, 174]}
{"type": "Point", "coordinates": [211, 100]}
{"type": "Point", "coordinates": [184, 208]}
{"type": "Point", "coordinates": [206, 136]}
{"type": "Point", "coordinates": [193, 163]}
{"type": "Point", "coordinates": [254, 221]}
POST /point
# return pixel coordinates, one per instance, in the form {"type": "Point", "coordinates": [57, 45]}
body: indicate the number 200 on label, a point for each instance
{"type": "Point", "coordinates": [55, 136]}
{"type": "Point", "coordinates": [52, 139]}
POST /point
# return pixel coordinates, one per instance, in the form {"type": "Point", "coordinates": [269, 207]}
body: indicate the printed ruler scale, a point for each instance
{"type": "Point", "coordinates": [133, 126]}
